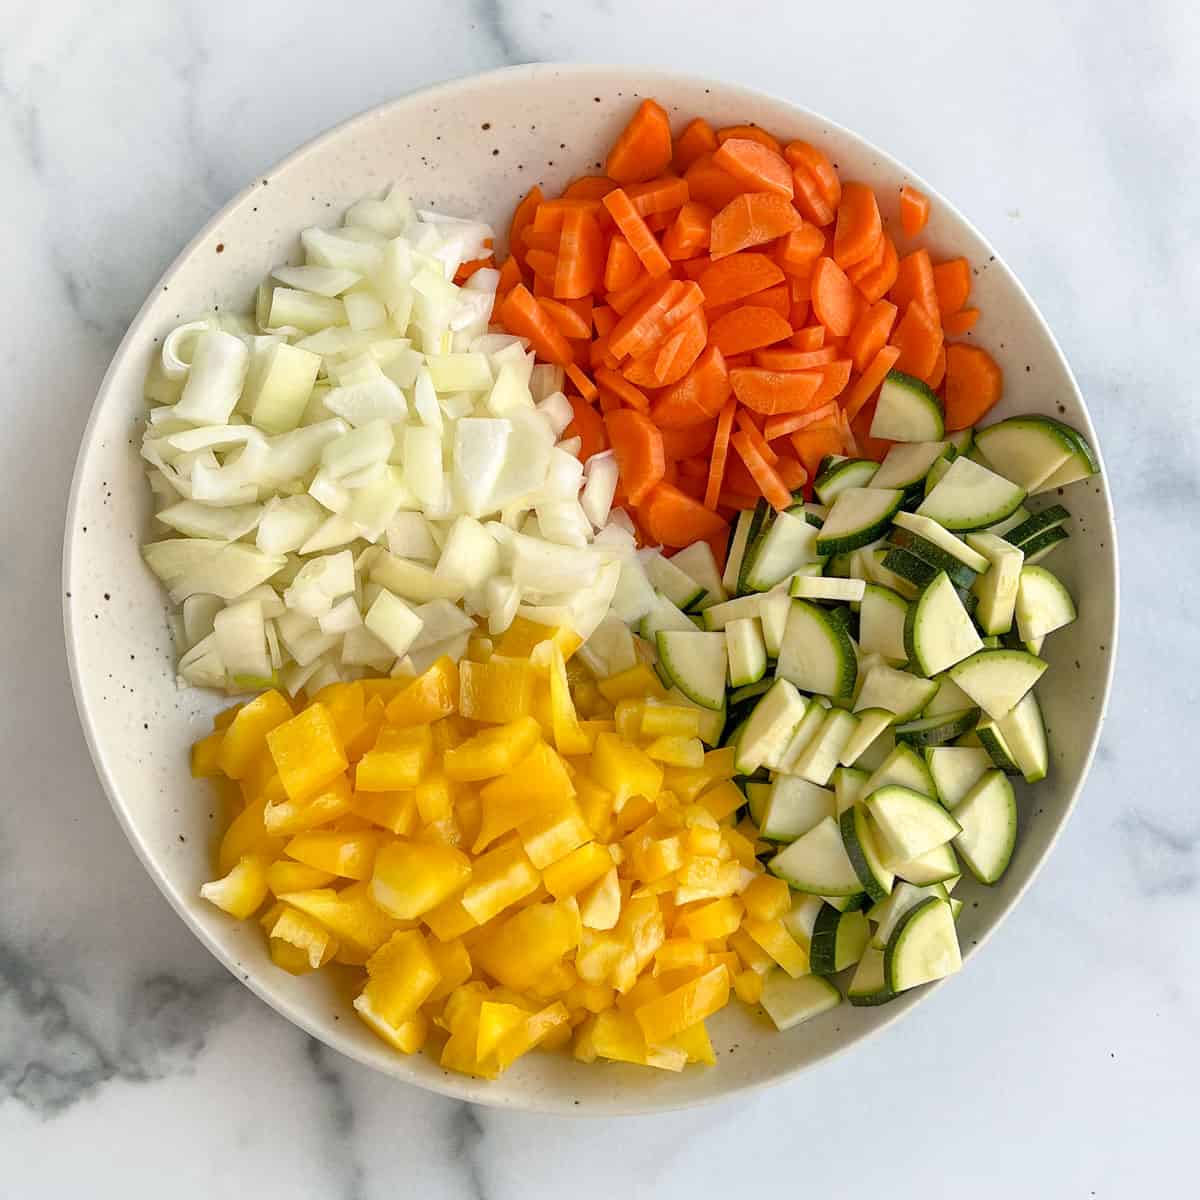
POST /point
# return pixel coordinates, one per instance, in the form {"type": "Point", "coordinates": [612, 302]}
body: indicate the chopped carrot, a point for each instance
{"type": "Point", "coordinates": [788, 423]}
{"type": "Point", "coordinates": [542, 263]}
{"type": "Point", "coordinates": [598, 355]}
{"type": "Point", "coordinates": [814, 443]}
{"type": "Point", "coordinates": [778, 299]}
{"type": "Point", "coordinates": [621, 302]}
{"type": "Point", "coordinates": [935, 377]}
{"type": "Point", "coordinates": [750, 220]}
{"type": "Point", "coordinates": [745, 422]}
{"type": "Point", "coordinates": [709, 184]}
{"type": "Point", "coordinates": [748, 328]}
{"type": "Point", "coordinates": [608, 402]}
{"type": "Point", "coordinates": [693, 268]}
{"type": "Point", "coordinates": [657, 195]}
{"type": "Point", "coordinates": [868, 446]}
{"type": "Point", "coordinates": [523, 315]}
{"type": "Point", "coordinates": [690, 442]}
{"type": "Point", "coordinates": [522, 216]}
{"type": "Point", "coordinates": [720, 453]}
{"type": "Point", "coordinates": [698, 396]}
{"type": "Point", "coordinates": [875, 285]}
{"type": "Point", "coordinates": [535, 239]}
{"type": "Point", "coordinates": [510, 276]}
{"type": "Point", "coordinates": [834, 299]}
{"type": "Point", "coordinates": [952, 283]}
{"type": "Point", "coordinates": [737, 276]}
{"type": "Point", "coordinates": [622, 268]}
{"type": "Point", "coordinates": [812, 205]}
{"type": "Point", "coordinates": [772, 392]}
{"type": "Point", "coordinates": [810, 338]}
{"type": "Point", "coordinates": [756, 167]}
{"type": "Point", "coordinates": [568, 322]}
{"type": "Point", "coordinates": [819, 168]}
{"type": "Point", "coordinates": [467, 269]}
{"type": "Point", "coordinates": [689, 232]}
{"type": "Point", "coordinates": [974, 382]}
{"type": "Point", "coordinates": [625, 391]}
{"type": "Point", "coordinates": [771, 486]}
{"type": "Point", "coordinates": [859, 227]}
{"type": "Point", "coordinates": [794, 475]}
{"type": "Point", "coordinates": [696, 139]}
{"type": "Point", "coordinates": [918, 338]}
{"type": "Point", "coordinates": [638, 446]}
{"type": "Point", "coordinates": [695, 467]}
{"type": "Point", "coordinates": [641, 325]}
{"type": "Point", "coordinates": [915, 284]}
{"type": "Point", "coordinates": [799, 287]}
{"type": "Point", "coordinates": [834, 378]}
{"type": "Point", "coordinates": [869, 382]}
{"type": "Point", "coordinates": [797, 251]}
{"type": "Point", "coordinates": [692, 487]}
{"type": "Point", "coordinates": [752, 133]}
{"type": "Point", "coordinates": [668, 361]}
{"type": "Point", "coordinates": [870, 333]}
{"type": "Point", "coordinates": [671, 517]}
{"type": "Point", "coordinates": [587, 425]}
{"type": "Point", "coordinates": [963, 321]}
{"type": "Point", "coordinates": [914, 210]}
{"type": "Point", "coordinates": [589, 187]}
{"type": "Point", "coordinates": [603, 318]}
{"type": "Point", "coordinates": [866, 267]}
{"type": "Point", "coordinates": [643, 149]}
{"type": "Point", "coordinates": [789, 359]}
{"type": "Point", "coordinates": [631, 224]}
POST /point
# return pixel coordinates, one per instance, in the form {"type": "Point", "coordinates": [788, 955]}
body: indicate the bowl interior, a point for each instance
{"type": "Point", "coordinates": [472, 147]}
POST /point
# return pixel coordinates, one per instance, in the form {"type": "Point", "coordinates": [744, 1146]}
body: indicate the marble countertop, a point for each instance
{"type": "Point", "coordinates": [1061, 1065]}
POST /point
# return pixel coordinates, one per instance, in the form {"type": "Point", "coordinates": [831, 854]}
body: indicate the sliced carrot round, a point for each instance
{"type": "Point", "coordinates": [587, 425]}
{"type": "Point", "coordinates": [756, 167]}
{"type": "Point", "coordinates": [859, 227]}
{"type": "Point", "coordinates": [671, 517]}
{"type": "Point", "coordinates": [914, 210]}
{"type": "Point", "coordinates": [834, 299]}
{"type": "Point", "coordinates": [974, 383]}
{"type": "Point", "coordinates": [638, 446]}
{"type": "Point", "coordinates": [644, 148]}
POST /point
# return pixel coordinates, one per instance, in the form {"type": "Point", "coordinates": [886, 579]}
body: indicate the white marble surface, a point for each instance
{"type": "Point", "coordinates": [1063, 1064]}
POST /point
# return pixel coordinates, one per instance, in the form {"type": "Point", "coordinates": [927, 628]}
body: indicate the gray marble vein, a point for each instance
{"type": "Point", "coordinates": [340, 1126]}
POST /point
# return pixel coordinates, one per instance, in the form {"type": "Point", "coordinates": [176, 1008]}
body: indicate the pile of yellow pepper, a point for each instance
{"type": "Point", "coordinates": [509, 853]}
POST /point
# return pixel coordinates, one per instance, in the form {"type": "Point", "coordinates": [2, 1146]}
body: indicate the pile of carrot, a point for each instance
{"type": "Point", "coordinates": [726, 308]}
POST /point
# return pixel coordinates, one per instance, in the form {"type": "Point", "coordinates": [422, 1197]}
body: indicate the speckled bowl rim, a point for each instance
{"type": "Point", "coordinates": [462, 1087]}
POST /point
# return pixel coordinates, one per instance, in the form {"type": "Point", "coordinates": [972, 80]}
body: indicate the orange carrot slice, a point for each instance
{"type": "Point", "coordinates": [876, 284]}
{"type": "Point", "coordinates": [859, 227]}
{"type": "Point", "coordinates": [935, 376]}
{"type": "Point", "coordinates": [777, 299]}
{"type": "Point", "coordinates": [638, 447]}
{"type": "Point", "coordinates": [622, 268]}
{"type": "Point", "coordinates": [589, 187]}
{"type": "Point", "coordinates": [738, 276]}
{"type": "Point", "coordinates": [566, 320]}
{"type": "Point", "coordinates": [639, 237]}
{"type": "Point", "coordinates": [658, 195]}
{"type": "Point", "coordinates": [696, 139]}
{"type": "Point", "coordinates": [814, 443]}
{"type": "Point", "coordinates": [747, 328]}
{"type": "Point", "coordinates": [750, 220]}
{"type": "Point", "coordinates": [689, 232]}
{"type": "Point", "coordinates": [643, 149]}
{"type": "Point", "coordinates": [521, 314]}
{"type": "Point", "coordinates": [756, 167]}
{"type": "Point", "coordinates": [952, 283]}
{"type": "Point", "coordinates": [870, 333]}
{"type": "Point", "coordinates": [788, 423]}
{"type": "Point", "coordinates": [799, 250]}
{"type": "Point", "coordinates": [812, 337]}
{"type": "Point", "coordinates": [869, 382]}
{"type": "Point", "coordinates": [819, 169]}
{"type": "Point", "coordinates": [583, 385]}
{"type": "Point", "coordinates": [914, 210]}
{"type": "Point", "coordinates": [698, 396]}
{"type": "Point", "coordinates": [522, 216]}
{"type": "Point", "coordinates": [624, 390]}
{"type": "Point", "coordinates": [720, 453]}
{"type": "Point", "coordinates": [790, 359]}
{"type": "Point", "coordinates": [672, 518]}
{"type": "Point", "coordinates": [915, 284]}
{"type": "Point", "coordinates": [709, 184]}
{"type": "Point", "coordinates": [690, 442]}
{"type": "Point", "coordinates": [745, 422]}
{"type": "Point", "coordinates": [834, 378]}
{"type": "Point", "coordinates": [587, 425]}
{"type": "Point", "coordinates": [833, 297]}
{"type": "Point", "coordinates": [752, 133]}
{"type": "Point", "coordinates": [963, 321]}
{"type": "Point", "coordinates": [918, 337]}
{"type": "Point", "coordinates": [794, 475]}
{"type": "Point", "coordinates": [769, 483]}
{"type": "Point", "coordinates": [772, 392]}
{"type": "Point", "coordinates": [974, 382]}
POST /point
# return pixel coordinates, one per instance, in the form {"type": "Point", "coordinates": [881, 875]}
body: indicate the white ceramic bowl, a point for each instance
{"type": "Point", "coordinates": [474, 146]}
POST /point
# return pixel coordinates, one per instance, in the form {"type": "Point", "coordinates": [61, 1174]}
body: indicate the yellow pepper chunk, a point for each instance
{"type": "Point", "coordinates": [408, 1037]}
{"type": "Point", "coordinates": [723, 799]}
{"type": "Point", "coordinates": [600, 902]}
{"type": "Point", "coordinates": [429, 697]}
{"type": "Point", "coordinates": [247, 834]}
{"type": "Point", "coordinates": [347, 705]}
{"type": "Point", "coordinates": [496, 1021]}
{"type": "Point", "coordinates": [374, 715]}
{"type": "Point", "coordinates": [576, 870]}
{"type": "Point", "coordinates": [695, 1043]}
{"type": "Point", "coordinates": [633, 684]}
{"type": "Point", "coordinates": [526, 945]}
{"type": "Point", "coordinates": [618, 1037]}
{"type": "Point", "coordinates": [521, 638]}
{"type": "Point", "coordinates": [394, 811]}
{"type": "Point", "coordinates": [538, 784]}
{"type": "Point", "coordinates": [410, 879]}
{"type": "Point", "coordinates": [749, 986]}
{"type": "Point", "coordinates": [534, 1029]}
{"type": "Point", "coordinates": [450, 920]}
{"type": "Point", "coordinates": [286, 817]}
{"type": "Point", "coordinates": [495, 691]}
{"type": "Point", "coordinates": [677, 751]}
{"type": "Point", "coordinates": [677, 954]}
{"type": "Point", "coordinates": [242, 891]}
{"type": "Point", "coordinates": [492, 752]}
{"type": "Point", "coordinates": [554, 834]}
{"type": "Point", "coordinates": [627, 718]}
{"type": "Point", "coordinates": [301, 933]}
{"type": "Point", "coordinates": [710, 920]}
{"type": "Point", "coordinates": [401, 974]}
{"type": "Point", "coordinates": [774, 938]}
{"type": "Point", "coordinates": [206, 755]}
{"type": "Point", "coordinates": [284, 875]}
{"type": "Point", "coordinates": [499, 878]}
{"type": "Point", "coordinates": [397, 762]}
{"type": "Point", "coordinates": [350, 915]}
{"type": "Point", "coordinates": [348, 854]}
{"type": "Point", "coordinates": [453, 962]}
{"type": "Point", "coordinates": [670, 720]}
{"type": "Point", "coordinates": [246, 734]}
{"type": "Point", "coordinates": [767, 898]}
{"type": "Point", "coordinates": [670, 1015]}
{"type": "Point", "coordinates": [569, 735]}
{"type": "Point", "coordinates": [307, 751]}
{"type": "Point", "coordinates": [434, 797]}
{"type": "Point", "coordinates": [624, 770]}
{"type": "Point", "coordinates": [703, 842]}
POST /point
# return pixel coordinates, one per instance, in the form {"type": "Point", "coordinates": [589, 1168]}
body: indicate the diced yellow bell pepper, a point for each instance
{"type": "Point", "coordinates": [468, 812]}
{"type": "Point", "coordinates": [307, 751]}
{"type": "Point", "coordinates": [569, 736]}
{"type": "Point", "coordinates": [429, 697]}
{"type": "Point", "coordinates": [695, 1043]}
{"type": "Point", "coordinates": [394, 811]}
{"type": "Point", "coordinates": [723, 799]}
{"type": "Point", "coordinates": [677, 751]}
{"type": "Point", "coordinates": [703, 842]}
{"type": "Point", "coordinates": [774, 938]}
{"type": "Point", "coordinates": [526, 945]}
{"type": "Point", "coordinates": [408, 1037]}
{"type": "Point", "coordinates": [627, 718]}
{"type": "Point", "coordinates": [707, 878]}
{"type": "Point", "coordinates": [575, 871]}
{"type": "Point", "coordinates": [206, 755]}
{"type": "Point", "coordinates": [461, 1010]}
{"type": "Point", "coordinates": [591, 997]}
{"type": "Point", "coordinates": [749, 986]}
{"type": "Point", "coordinates": [450, 920]}
{"type": "Point", "coordinates": [496, 691]}
{"type": "Point", "coordinates": [523, 635]}
{"type": "Point", "coordinates": [410, 879]}
{"type": "Point", "coordinates": [636, 811]}
{"type": "Point", "coordinates": [678, 953]}
{"type": "Point", "coordinates": [554, 834]}
{"type": "Point", "coordinates": [434, 797]}
{"type": "Point", "coordinates": [480, 648]}
{"type": "Point", "coordinates": [450, 732]}
{"type": "Point", "coordinates": [224, 718]}
{"type": "Point", "coordinates": [401, 974]}
{"type": "Point", "coordinates": [682, 1008]}
{"type": "Point", "coordinates": [350, 915]}
{"type": "Point", "coordinates": [596, 804]}
{"type": "Point", "coordinates": [350, 855]}
{"type": "Point", "coordinates": [499, 878]}
{"type": "Point", "coordinates": [248, 732]}
{"type": "Point", "coordinates": [728, 958]}
{"type": "Point", "coordinates": [641, 930]}
{"type": "Point", "coordinates": [288, 817]}
{"type": "Point", "coordinates": [492, 752]}
{"type": "Point", "coordinates": [741, 848]}
{"type": "Point", "coordinates": [453, 962]}
{"type": "Point", "coordinates": [374, 715]}
{"type": "Point", "coordinates": [624, 770]}
{"type": "Point", "coordinates": [347, 705]}
{"type": "Point", "coordinates": [247, 834]}
{"type": "Point", "coordinates": [670, 720]}
{"type": "Point", "coordinates": [589, 703]}
{"type": "Point", "coordinates": [284, 875]}
{"type": "Point", "coordinates": [600, 902]}
{"type": "Point", "coordinates": [496, 1021]}
{"type": "Point", "coordinates": [287, 957]}
{"type": "Point", "coordinates": [534, 1029]}
{"type": "Point", "coordinates": [633, 684]}
{"type": "Point", "coordinates": [386, 689]}
{"type": "Point", "coordinates": [397, 762]}
{"type": "Point", "coordinates": [753, 956]}
{"type": "Point", "coordinates": [618, 1037]}
{"type": "Point", "coordinates": [653, 858]}
{"type": "Point", "coordinates": [556, 982]}
{"type": "Point", "coordinates": [539, 783]}
{"type": "Point", "coordinates": [299, 931]}
{"type": "Point", "coordinates": [711, 919]}
{"type": "Point", "coordinates": [767, 898]}
{"type": "Point", "coordinates": [242, 891]}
